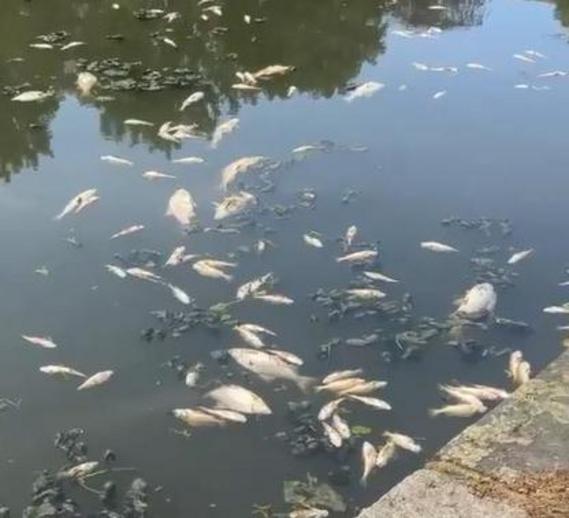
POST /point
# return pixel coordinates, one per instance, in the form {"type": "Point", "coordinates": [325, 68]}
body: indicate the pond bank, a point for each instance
{"type": "Point", "coordinates": [513, 463]}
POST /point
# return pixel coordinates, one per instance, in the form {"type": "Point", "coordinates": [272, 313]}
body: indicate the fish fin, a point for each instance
{"type": "Point", "coordinates": [306, 383]}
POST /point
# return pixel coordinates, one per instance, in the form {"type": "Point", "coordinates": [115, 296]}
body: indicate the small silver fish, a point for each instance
{"type": "Point", "coordinates": [137, 122]}
{"type": "Point", "coordinates": [363, 256]}
{"type": "Point", "coordinates": [369, 460]}
{"type": "Point", "coordinates": [364, 90]}
{"type": "Point", "coordinates": [179, 294]}
{"type": "Point", "coordinates": [192, 99]}
{"type": "Point", "coordinates": [376, 276]}
{"type": "Point", "coordinates": [119, 272]}
{"type": "Point", "coordinates": [312, 241]}
{"type": "Point", "coordinates": [61, 370]}
{"type": "Point", "coordinates": [520, 256]}
{"type": "Point", "coordinates": [128, 230]}
{"type": "Point", "coordinates": [156, 175]}
{"type": "Point", "coordinates": [403, 441]}
{"type": "Point", "coordinates": [45, 342]}
{"type": "Point", "coordinates": [435, 246]}
{"type": "Point", "coordinates": [96, 379]}
{"type": "Point", "coordinates": [80, 471]}
{"type": "Point", "coordinates": [188, 160]}
{"type": "Point", "coordinates": [329, 409]}
{"type": "Point", "coordinates": [117, 160]}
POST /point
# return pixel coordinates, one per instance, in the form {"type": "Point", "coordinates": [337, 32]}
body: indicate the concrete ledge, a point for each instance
{"type": "Point", "coordinates": [513, 463]}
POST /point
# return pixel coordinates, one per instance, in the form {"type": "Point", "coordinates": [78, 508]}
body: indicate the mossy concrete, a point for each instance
{"type": "Point", "coordinates": [512, 463]}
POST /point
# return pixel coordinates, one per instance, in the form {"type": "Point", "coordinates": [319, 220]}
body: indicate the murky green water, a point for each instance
{"type": "Point", "coordinates": [485, 149]}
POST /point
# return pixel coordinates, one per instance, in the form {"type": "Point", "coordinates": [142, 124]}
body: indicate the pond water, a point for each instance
{"type": "Point", "coordinates": [394, 164]}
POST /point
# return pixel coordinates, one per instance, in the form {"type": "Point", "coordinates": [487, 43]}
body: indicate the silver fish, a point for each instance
{"type": "Point", "coordinates": [240, 399]}
{"type": "Point", "coordinates": [96, 379]}
{"type": "Point", "coordinates": [137, 122]}
{"type": "Point", "coordinates": [119, 272]}
{"type": "Point", "coordinates": [213, 268]}
{"type": "Point", "coordinates": [312, 241]}
{"type": "Point", "coordinates": [520, 256]}
{"type": "Point", "coordinates": [45, 342]}
{"type": "Point", "coordinates": [117, 160]}
{"type": "Point", "coordinates": [250, 288]}
{"type": "Point", "coordinates": [329, 409]}
{"type": "Point", "coordinates": [192, 99]}
{"type": "Point", "coordinates": [340, 375]}
{"type": "Point", "coordinates": [223, 129]}
{"type": "Point", "coordinates": [188, 160]}
{"type": "Point", "coordinates": [373, 402]}
{"type": "Point", "coordinates": [181, 207]}
{"type": "Point", "coordinates": [435, 246]}
{"type": "Point", "coordinates": [274, 298]}
{"type": "Point", "coordinates": [80, 470]}
{"type": "Point", "coordinates": [364, 90]}
{"type": "Point", "coordinates": [234, 204]}
{"type": "Point", "coordinates": [143, 274]}
{"type": "Point", "coordinates": [403, 441]}
{"type": "Point", "coordinates": [32, 96]}
{"type": "Point", "coordinates": [77, 203]}
{"type": "Point", "coordinates": [129, 230]}
{"type": "Point", "coordinates": [86, 82]}
{"type": "Point", "coordinates": [361, 257]}
{"type": "Point", "coordinates": [179, 294]}
{"type": "Point", "coordinates": [385, 454]}
{"type": "Point", "coordinates": [458, 410]}
{"type": "Point", "coordinates": [332, 435]}
{"type": "Point", "coordinates": [157, 175]}
{"type": "Point", "coordinates": [376, 276]}
{"type": "Point", "coordinates": [61, 370]}
{"type": "Point", "coordinates": [237, 167]}
{"type": "Point", "coordinates": [478, 302]}
{"type": "Point", "coordinates": [369, 459]}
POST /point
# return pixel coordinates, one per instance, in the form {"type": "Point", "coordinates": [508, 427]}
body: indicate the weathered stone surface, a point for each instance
{"type": "Point", "coordinates": [427, 493]}
{"type": "Point", "coordinates": [514, 462]}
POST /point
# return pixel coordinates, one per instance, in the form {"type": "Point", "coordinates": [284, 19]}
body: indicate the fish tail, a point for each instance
{"type": "Point", "coordinates": [306, 383]}
{"type": "Point", "coordinates": [434, 412]}
{"type": "Point", "coordinates": [363, 480]}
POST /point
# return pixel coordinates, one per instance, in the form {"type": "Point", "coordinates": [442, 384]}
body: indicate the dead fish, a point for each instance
{"type": "Point", "coordinates": [403, 441]}
{"type": "Point", "coordinates": [170, 17]}
{"type": "Point", "coordinates": [376, 276]}
{"type": "Point", "coordinates": [250, 334]}
{"type": "Point", "coordinates": [309, 512]}
{"type": "Point", "coordinates": [156, 175]}
{"type": "Point", "coordinates": [481, 392]}
{"type": "Point", "coordinates": [524, 58]}
{"type": "Point", "coordinates": [329, 409]}
{"type": "Point", "coordinates": [554, 73]}
{"type": "Point", "coordinates": [364, 90]}
{"type": "Point", "coordinates": [198, 417]}
{"type": "Point", "coordinates": [269, 366]}
{"type": "Point", "coordinates": [117, 160]}
{"type": "Point", "coordinates": [129, 230]}
{"type": "Point", "coordinates": [365, 294]}
{"type": "Point", "coordinates": [350, 235]}
{"type": "Point", "coordinates": [478, 66]}
{"type": "Point", "coordinates": [237, 167]}
{"type": "Point", "coordinates": [458, 410]}
{"type": "Point", "coordinates": [363, 256]}
{"type": "Point", "coordinates": [239, 399]}
{"type": "Point", "coordinates": [434, 246]}
{"type": "Point", "coordinates": [213, 268]}
{"type": "Point", "coordinates": [369, 460]}
{"type": "Point", "coordinates": [341, 426]}
{"type": "Point", "coordinates": [312, 241]}
{"type": "Point", "coordinates": [307, 148]}
{"type": "Point", "coordinates": [96, 379]}
{"type": "Point", "coordinates": [193, 375]}
{"type": "Point", "coordinates": [77, 202]}
{"type": "Point", "coordinates": [86, 82]}
{"type": "Point", "coordinates": [61, 370]}
{"type": "Point", "coordinates": [363, 388]}
{"type": "Point", "coordinates": [176, 257]}
{"type": "Point", "coordinates": [372, 402]}
{"type": "Point", "coordinates": [170, 42]}
{"type": "Point", "coordinates": [340, 375]}
{"type": "Point", "coordinates": [534, 53]}
{"type": "Point", "coordinates": [421, 66]}
{"type": "Point", "coordinates": [80, 471]}
{"type": "Point", "coordinates": [332, 435]}
{"type": "Point", "coordinates": [137, 122]}
{"type": "Point", "coordinates": [45, 342]}
{"type": "Point", "coordinates": [340, 384]}
{"type": "Point", "coordinates": [274, 298]}
{"type": "Point", "coordinates": [385, 454]}
{"type": "Point", "coordinates": [293, 359]}
{"type": "Point", "coordinates": [72, 45]}
{"type": "Point", "coordinates": [437, 7]}
{"type": "Point", "coordinates": [519, 370]}
{"type": "Point", "coordinates": [181, 207]}
{"type": "Point", "coordinates": [461, 397]}
{"type": "Point", "coordinates": [234, 204]}
{"type": "Point", "coordinates": [556, 310]}
{"type": "Point", "coordinates": [142, 274]}
{"type": "Point", "coordinates": [478, 302]}
{"type": "Point", "coordinates": [189, 160]}
{"type": "Point", "coordinates": [520, 256]}
{"type": "Point", "coordinates": [439, 94]}
{"type": "Point", "coordinates": [119, 272]}
{"type": "Point", "coordinates": [250, 288]}
{"type": "Point", "coordinates": [192, 99]}
{"type": "Point", "coordinates": [223, 129]}
{"type": "Point", "coordinates": [179, 294]}
{"type": "Point", "coordinates": [41, 46]}
{"type": "Point", "coordinates": [272, 70]}
{"type": "Point", "coordinates": [229, 415]}
{"type": "Point", "coordinates": [32, 96]}
{"type": "Point", "coordinates": [42, 271]}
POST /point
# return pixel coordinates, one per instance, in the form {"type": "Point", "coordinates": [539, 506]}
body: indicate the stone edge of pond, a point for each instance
{"type": "Point", "coordinates": [512, 463]}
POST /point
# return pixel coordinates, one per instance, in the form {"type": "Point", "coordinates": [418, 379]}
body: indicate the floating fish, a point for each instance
{"type": "Point", "coordinates": [332, 435]}
{"type": "Point", "coordinates": [86, 82]}
{"type": "Point", "coordinates": [385, 454]}
{"type": "Point", "coordinates": [350, 235]}
{"type": "Point", "coordinates": [119, 272]}
{"type": "Point", "coordinates": [341, 426]}
{"type": "Point", "coordinates": [170, 42]}
{"type": "Point", "coordinates": [239, 166]}
{"type": "Point", "coordinates": [363, 256]}
{"type": "Point", "coordinates": [312, 241]}
{"type": "Point", "coordinates": [481, 392]}
{"type": "Point", "coordinates": [213, 268]}
{"type": "Point", "coordinates": [250, 288]}
{"type": "Point", "coordinates": [309, 512]}
{"type": "Point", "coordinates": [188, 160]}
{"type": "Point", "coordinates": [250, 334]}
{"type": "Point", "coordinates": [439, 94]}
{"type": "Point", "coordinates": [41, 46]}
{"type": "Point", "coordinates": [518, 370]}
{"type": "Point", "coordinates": [179, 294]}
{"type": "Point", "coordinates": [435, 246]}
{"type": "Point", "coordinates": [223, 129]}
{"type": "Point", "coordinates": [32, 96]}
{"type": "Point", "coordinates": [478, 66]}
{"type": "Point", "coordinates": [363, 388]}
{"type": "Point", "coordinates": [193, 375]}
{"type": "Point", "coordinates": [458, 410]}
{"type": "Point", "coordinates": [96, 379]}
{"type": "Point", "coordinates": [437, 7]}
{"type": "Point", "coordinates": [145, 275]}
{"type": "Point", "coordinates": [369, 459]}
{"type": "Point", "coordinates": [557, 310]}
{"type": "Point", "coordinates": [403, 441]}
{"type": "Point", "coordinates": [365, 294]}
{"type": "Point", "coordinates": [376, 276]}
{"type": "Point", "coordinates": [553, 73]}
{"type": "Point", "coordinates": [117, 160]}
{"type": "Point", "coordinates": [478, 302]}
{"type": "Point", "coordinates": [337, 385]}
{"type": "Point", "coordinates": [176, 257]}
{"type": "Point", "coordinates": [271, 71]}
{"type": "Point", "coordinates": [72, 45]}
{"type": "Point", "coordinates": [61, 370]}
{"type": "Point", "coordinates": [234, 204]}
{"type": "Point", "coordinates": [198, 417]}
{"type": "Point", "coordinates": [181, 207]}
{"type": "Point", "coordinates": [372, 402]}
{"type": "Point", "coordinates": [78, 202]}
{"type": "Point", "coordinates": [329, 409]}
{"type": "Point", "coordinates": [137, 122]}
{"type": "Point", "coordinates": [364, 90]}
{"type": "Point", "coordinates": [520, 256]}
{"type": "Point", "coordinates": [80, 471]}
{"type": "Point", "coordinates": [269, 366]}
{"type": "Point", "coordinates": [45, 342]}
{"type": "Point", "coordinates": [42, 271]}
{"type": "Point", "coordinates": [274, 298]}
{"type": "Point", "coordinates": [340, 375]}
{"type": "Point", "coordinates": [239, 399]}
{"type": "Point", "coordinates": [524, 58]}
{"type": "Point", "coordinates": [128, 230]}
{"type": "Point", "coordinates": [156, 175]}
{"type": "Point", "coordinates": [192, 99]}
